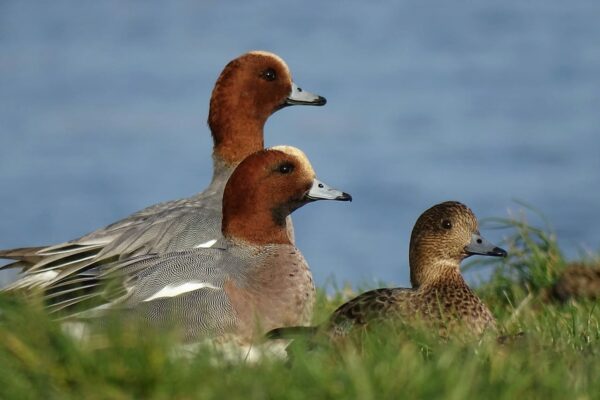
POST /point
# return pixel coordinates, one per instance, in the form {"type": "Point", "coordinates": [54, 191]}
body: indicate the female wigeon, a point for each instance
{"type": "Point", "coordinates": [577, 282]}
{"type": "Point", "coordinates": [442, 237]}
{"type": "Point", "coordinates": [249, 89]}
{"type": "Point", "coordinates": [254, 279]}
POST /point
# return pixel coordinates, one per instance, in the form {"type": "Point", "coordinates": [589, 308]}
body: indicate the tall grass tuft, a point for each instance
{"type": "Point", "coordinates": [533, 264]}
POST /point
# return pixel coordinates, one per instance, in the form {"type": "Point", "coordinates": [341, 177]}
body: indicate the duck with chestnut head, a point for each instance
{"type": "Point", "coordinates": [248, 91]}
{"type": "Point", "coordinates": [253, 280]}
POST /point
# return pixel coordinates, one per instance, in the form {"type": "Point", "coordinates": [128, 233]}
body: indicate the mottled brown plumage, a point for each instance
{"type": "Point", "coordinates": [443, 236]}
{"type": "Point", "coordinates": [577, 282]}
{"type": "Point", "coordinates": [440, 240]}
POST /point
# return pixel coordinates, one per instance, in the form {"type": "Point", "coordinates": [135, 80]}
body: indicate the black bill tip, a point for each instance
{"type": "Point", "coordinates": [497, 252]}
{"type": "Point", "coordinates": [318, 101]}
{"type": "Point", "coordinates": [321, 101]}
{"type": "Point", "coordinates": [344, 197]}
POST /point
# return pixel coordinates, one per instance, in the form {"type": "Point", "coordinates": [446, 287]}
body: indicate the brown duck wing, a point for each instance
{"type": "Point", "coordinates": [372, 305]}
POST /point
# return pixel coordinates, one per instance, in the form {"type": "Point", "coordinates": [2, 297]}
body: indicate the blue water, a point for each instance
{"type": "Point", "coordinates": [103, 108]}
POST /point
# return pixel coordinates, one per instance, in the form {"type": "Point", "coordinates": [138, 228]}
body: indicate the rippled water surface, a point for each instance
{"type": "Point", "coordinates": [103, 108]}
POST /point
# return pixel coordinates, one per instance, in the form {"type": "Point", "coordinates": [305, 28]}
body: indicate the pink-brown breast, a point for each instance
{"type": "Point", "coordinates": [277, 293]}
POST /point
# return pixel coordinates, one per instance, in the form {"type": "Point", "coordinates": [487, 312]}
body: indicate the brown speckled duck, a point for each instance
{"type": "Point", "coordinates": [578, 282]}
{"type": "Point", "coordinates": [443, 236]}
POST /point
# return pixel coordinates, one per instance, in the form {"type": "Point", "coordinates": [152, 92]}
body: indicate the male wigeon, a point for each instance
{"type": "Point", "coordinates": [442, 237]}
{"type": "Point", "coordinates": [249, 89]}
{"type": "Point", "coordinates": [254, 279]}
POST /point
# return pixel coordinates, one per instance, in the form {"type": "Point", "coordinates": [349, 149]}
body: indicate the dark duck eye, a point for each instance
{"type": "Point", "coordinates": [269, 74]}
{"type": "Point", "coordinates": [285, 168]}
{"type": "Point", "coordinates": [446, 224]}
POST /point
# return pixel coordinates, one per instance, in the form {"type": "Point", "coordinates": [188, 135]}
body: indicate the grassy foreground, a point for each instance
{"type": "Point", "coordinates": [559, 356]}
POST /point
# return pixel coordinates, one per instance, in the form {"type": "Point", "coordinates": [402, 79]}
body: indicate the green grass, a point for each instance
{"type": "Point", "coordinates": [559, 356]}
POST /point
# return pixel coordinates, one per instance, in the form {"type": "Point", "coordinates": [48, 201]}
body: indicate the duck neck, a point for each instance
{"type": "Point", "coordinates": [247, 222]}
{"type": "Point", "coordinates": [221, 173]}
{"type": "Point", "coordinates": [424, 273]}
{"type": "Point", "coordinates": [449, 276]}
{"type": "Point", "coordinates": [236, 132]}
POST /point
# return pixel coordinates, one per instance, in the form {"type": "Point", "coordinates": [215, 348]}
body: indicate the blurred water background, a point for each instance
{"type": "Point", "coordinates": [103, 107]}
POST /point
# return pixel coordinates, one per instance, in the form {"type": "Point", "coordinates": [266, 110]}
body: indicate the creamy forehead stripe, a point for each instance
{"type": "Point", "coordinates": [295, 152]}
{"type": "Point", "coordinates": [176, 290]}
{"type": "Point", "coordinates": [270, 55]}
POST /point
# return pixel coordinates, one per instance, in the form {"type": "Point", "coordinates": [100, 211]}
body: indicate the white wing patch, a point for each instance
{"type": "Point", "coordinates": [206, 244]}
{"type": "Point", "coordinates": [176, 290]}
{"type": "Point", "coordinates": [77, 330]}
{"type": "Point", "coordinates": [34, 279]}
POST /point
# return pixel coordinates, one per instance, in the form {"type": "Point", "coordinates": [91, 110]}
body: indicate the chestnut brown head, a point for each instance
{"type": "Point", "coordinates": [250, 89]}
{"type": "Point", "coordinates": [265, 188]}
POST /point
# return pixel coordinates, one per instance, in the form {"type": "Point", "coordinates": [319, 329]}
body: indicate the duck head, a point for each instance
{"type": "Point", "coordinates": [251, 88]}
{"type": "Point", "coordinates": [443, 236]}
{"type": "Point", "coordinates": [265, 188]}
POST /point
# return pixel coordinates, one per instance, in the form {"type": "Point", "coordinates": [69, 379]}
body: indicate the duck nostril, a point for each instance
{"type": "Point", "coordinates": [299, 89]}
{"type": "Point", "coordinates": [321, 185]}
{"type": "Point", "coordinates": [479, 241]}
